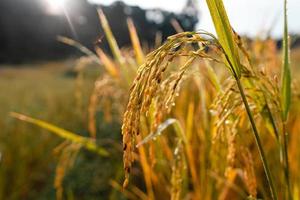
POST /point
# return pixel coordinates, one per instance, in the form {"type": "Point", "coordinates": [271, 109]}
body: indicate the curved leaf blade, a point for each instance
{"type": "Point", "coordinates": [88, 143]}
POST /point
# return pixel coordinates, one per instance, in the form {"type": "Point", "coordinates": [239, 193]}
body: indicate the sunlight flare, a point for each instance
{"type": "Point", "coordinates": [55, 7]}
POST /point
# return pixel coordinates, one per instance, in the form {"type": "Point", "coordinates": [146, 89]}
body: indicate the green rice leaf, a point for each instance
{"type": "Point", "coordinates": [286, 73]}
{"type": "Point", "coordinates": [225, 34]}
{"type": "Point", "coordinates": [88, 143]}
{"type": "Point", "coordinates": [110, 38]}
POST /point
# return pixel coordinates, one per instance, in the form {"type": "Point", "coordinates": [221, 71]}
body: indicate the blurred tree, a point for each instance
{"type": "Point", "coordinates": [28, 30]}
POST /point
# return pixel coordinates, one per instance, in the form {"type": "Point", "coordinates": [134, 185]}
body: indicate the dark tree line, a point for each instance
{"type": "Point", "coordinates": [28, 32]}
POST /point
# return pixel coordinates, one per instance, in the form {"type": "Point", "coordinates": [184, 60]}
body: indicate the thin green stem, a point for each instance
{"type": "Point", "coordinates": [258, 141]}
{"type": "Point", "coordinates": [286, 161]}
{"type": "Point", "coordinates": [276, 132]}
{"type": "Point", "coordinates": [283, 150]}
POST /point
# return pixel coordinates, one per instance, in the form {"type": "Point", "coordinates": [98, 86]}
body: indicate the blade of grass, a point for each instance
{"type": "Point", "coordinates": [110, 38]}
{"type": "Point", "coordinates": [88, 143]}
{"type": "Point", "coordinates": [135, 42]}
{"type": "Point", "coordinates": [286, 74]}
{"type": "Point", "coordinates": [225, 35]}
{"type": "Point", "coordinates": [286, 97]}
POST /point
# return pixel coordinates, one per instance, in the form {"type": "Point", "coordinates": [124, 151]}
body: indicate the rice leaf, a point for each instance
{"type": "Point", "coordinates": [286, 98]}
{"type": "Point", "coordinates": [135, 42]}
{"type": "Point", "coordinates": [225, 34]}
{"type": "Point", "coordinates": [161, 128]}
{"type": "Point", "coordinates": [108, 63]}
{"type": "Point", "coordinates": [110, 38]}
{"type": "Point", "coordinates": [79, 46]}
{"type": "Point", "coordinates": [286, 73]}
{"type": "Point", "coordinates": [88, 143]}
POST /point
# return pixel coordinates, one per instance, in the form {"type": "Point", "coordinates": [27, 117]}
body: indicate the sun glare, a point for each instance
{"type": "Point", "coordinates": [55, 7]}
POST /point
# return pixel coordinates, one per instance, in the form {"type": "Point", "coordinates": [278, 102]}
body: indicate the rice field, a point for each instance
{"type": "Point", "coordinates": [200, 116]}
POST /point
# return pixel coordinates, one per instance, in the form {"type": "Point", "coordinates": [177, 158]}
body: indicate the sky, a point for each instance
{"type": "Point", "coordinates": [250, 17]}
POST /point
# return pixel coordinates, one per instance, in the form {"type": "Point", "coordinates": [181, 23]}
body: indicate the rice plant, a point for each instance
{"type": "Point", "coordinates": [205, 116]}
{"type": "Point", "coordinates": [154, 89]}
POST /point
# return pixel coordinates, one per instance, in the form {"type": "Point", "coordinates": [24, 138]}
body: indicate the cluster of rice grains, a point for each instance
{"type": "Point", "coordinates": [158, 83]}
{"type": "Point", "coordinates": [68, 152]}
{"type": "Point", "coordinates": [230, 120]}
{"type": "Point", "coordinates": [108, 95]}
